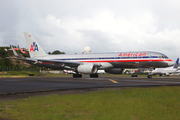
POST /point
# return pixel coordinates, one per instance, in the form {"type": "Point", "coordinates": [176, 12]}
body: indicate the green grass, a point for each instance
{"type": "Point", "coordinates": [26, 74]}
{"type": "Point", "coordinates": [17, 73]}
{"type": "Point", "coordinates": [159, 103]}
{"type": "Point", "coordinates": [22, 73]}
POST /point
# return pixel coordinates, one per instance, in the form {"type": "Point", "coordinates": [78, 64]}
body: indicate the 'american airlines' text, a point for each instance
{"type": "Point", "coordinates": [131, 54]}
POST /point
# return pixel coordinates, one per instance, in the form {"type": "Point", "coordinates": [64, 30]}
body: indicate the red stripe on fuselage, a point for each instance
{"type": "Point", "coordinates": [140, 60]}
{"type": "Point", "coordinates": [47, 63]}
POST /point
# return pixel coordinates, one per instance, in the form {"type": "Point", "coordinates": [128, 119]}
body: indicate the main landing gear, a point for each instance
{"type": "Point", "coordinates": [94, 75]}
{"type": "Point", "coordinates": [77, 75]}
{"type": "Point", "coordinates": [80, 75]}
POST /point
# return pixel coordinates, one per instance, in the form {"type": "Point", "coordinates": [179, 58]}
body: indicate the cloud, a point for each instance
{"type": "Point", "coordinates": [105, 26]}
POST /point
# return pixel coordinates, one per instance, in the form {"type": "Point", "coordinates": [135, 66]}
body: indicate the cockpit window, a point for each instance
{"type": "Point", "coordinates": [163, 57]}
{"type": "Point", "coordinates": [166, 57]}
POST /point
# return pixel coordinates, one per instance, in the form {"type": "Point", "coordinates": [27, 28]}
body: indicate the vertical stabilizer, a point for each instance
{"type": "Point", "coordinates": [176, 64]}
{"type": "Point", "coordinates": [35, 49]}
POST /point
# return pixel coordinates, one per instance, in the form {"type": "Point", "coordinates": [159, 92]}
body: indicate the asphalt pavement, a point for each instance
{"type": "Point", "coordinates": [35, 84]}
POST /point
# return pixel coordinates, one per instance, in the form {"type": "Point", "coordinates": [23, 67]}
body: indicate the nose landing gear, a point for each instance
{"type": "Point", "coordinates": [150, 74]}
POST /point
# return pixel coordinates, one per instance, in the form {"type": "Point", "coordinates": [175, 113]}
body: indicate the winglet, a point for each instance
{"type": "Point", "coordinates": [176, 64]}
{"type": "Point", "coordinates": [15, 53]}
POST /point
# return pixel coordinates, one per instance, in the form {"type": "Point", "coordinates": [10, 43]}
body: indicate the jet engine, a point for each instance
{"type": "Point", "coordinates": [87, 68]}
{"type": "Point", "coordinates": [166, 74]}
{"type": "Point", "coordinates": [115, 70]}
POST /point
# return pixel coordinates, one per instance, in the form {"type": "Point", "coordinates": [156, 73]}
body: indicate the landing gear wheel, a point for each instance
{"type": "Point", "coordinates": [80, 75]}
{"type": "Point", "coordinates": [149, 76]}
{"type": "Point", "coordinates": [94, 75]}
{"type": "Point", "coordinates": [77, 76]}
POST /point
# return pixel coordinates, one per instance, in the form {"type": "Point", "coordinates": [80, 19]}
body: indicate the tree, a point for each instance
{"type": "Point", "coordinates": [58, 52]}
{"type": "Point", "coordinates": [3, 60]}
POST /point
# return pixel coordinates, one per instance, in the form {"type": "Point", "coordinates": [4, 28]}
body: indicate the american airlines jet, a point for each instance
{"type": "Point", "coordinates": [166, 71]}
{"type": "Point", "coordinates": [114, 62]}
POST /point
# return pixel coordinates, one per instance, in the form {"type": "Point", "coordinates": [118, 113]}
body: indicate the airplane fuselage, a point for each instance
{"type": "Point", "coordinates": [138, 59]}
{"type": "Point", "coordinates": [114, 62]}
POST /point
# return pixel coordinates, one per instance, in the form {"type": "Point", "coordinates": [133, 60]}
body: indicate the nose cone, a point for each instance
{"type": "Point", "coordinates": [170, 63]}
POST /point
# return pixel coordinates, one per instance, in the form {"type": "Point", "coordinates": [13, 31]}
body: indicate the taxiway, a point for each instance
{"type": "Point", "coordinates": [34, 84]}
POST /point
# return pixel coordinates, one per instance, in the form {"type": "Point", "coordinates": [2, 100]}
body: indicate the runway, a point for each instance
{"type": "Point", "coordinates": [34, 84]}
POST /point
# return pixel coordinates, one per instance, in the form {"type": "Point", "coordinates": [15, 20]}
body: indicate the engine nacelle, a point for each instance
{"type": "Point", "coordinates": [87, 68]}
{"type": "Point", "coordinates": [167, 74]}
{"type": "Point", "coordinates": [115, 70]}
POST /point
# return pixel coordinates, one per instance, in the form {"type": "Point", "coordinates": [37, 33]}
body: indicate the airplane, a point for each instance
{"type": "Point", "coordinates": [112, 62]}
{"type": "Point", "coordinates": [69, 72]}
{"type": "Point", "coordinates": [166, 71]}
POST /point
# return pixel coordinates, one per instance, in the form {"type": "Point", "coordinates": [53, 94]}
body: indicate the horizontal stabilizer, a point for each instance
{"type": "Point", "coordinates": [15, 53]}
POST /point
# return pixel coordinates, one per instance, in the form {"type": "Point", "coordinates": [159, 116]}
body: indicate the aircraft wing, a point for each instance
{"type": "Point", "coordinates": [66, 64]}
{"type": "Point", "coordinates": [61, 63]}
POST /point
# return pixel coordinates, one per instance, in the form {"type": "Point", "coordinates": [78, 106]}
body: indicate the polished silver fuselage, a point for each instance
{"type": "Point", "coordinates": [137, 59]}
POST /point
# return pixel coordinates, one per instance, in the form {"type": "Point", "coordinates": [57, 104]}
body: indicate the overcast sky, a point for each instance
{"type": "Point", "coordinates": [104, 25]}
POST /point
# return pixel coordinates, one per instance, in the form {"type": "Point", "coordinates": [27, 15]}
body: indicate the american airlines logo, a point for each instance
{"type": "Point", "coordinates": [34, 47]}
{"type": "Point", "coordinates": [131, 54]}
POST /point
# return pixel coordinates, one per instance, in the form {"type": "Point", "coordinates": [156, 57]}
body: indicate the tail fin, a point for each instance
{"type": "Point", "coordinates": [35, 49]}
{"type": "Point", "coordinates": [176, 64]}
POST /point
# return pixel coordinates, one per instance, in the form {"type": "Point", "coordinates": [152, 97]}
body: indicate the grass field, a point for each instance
{"type": "Point", "coordinates": [26, 74]}
{"type": "Point", "coordinates": [159, 103]}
